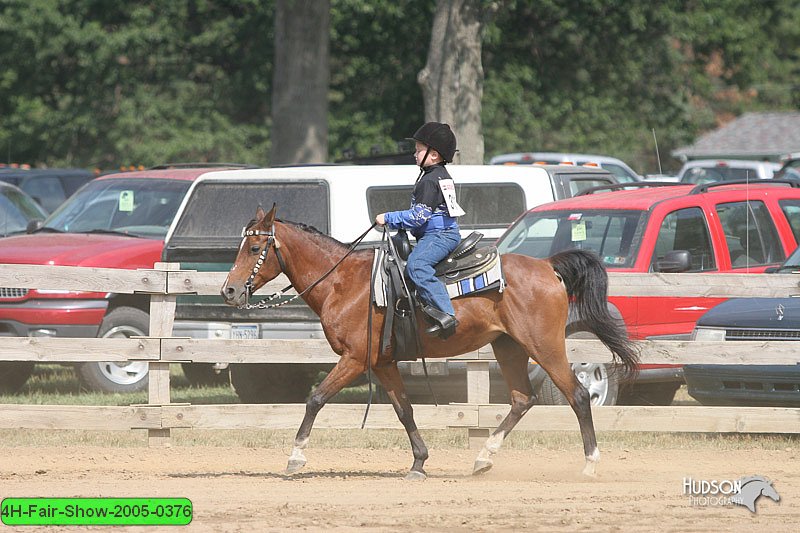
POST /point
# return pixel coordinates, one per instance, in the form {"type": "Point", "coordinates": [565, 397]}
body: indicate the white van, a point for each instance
{"type": "Point", "coordinates": [340, 201]}
{"type": "Point", "coordinates": [618, 167]}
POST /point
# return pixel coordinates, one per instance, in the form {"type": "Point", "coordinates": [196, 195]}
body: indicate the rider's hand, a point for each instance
{"type": "Point", "coordinates": [380, 219]}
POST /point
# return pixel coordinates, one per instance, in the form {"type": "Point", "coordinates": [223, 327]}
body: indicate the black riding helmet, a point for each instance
{"type": "Point", "coordinates": [438, 136]}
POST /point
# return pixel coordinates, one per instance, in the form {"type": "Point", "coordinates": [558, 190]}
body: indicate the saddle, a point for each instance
{"type": "Point", "coordinates": [465, 263]}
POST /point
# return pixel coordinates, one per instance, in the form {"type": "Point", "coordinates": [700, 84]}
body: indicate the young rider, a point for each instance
{"type": "Point", "coordinates": [432, 220]}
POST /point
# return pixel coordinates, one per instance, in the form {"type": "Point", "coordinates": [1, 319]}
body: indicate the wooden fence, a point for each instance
{"type": "Point", "coordinates": [166, 281]}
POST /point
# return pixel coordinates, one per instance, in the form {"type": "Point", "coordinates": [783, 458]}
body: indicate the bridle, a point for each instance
{"type": "Point", "coordinates": [272, 242]}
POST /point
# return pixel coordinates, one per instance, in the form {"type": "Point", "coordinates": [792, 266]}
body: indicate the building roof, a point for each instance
{"type": "Point", "coordinates": [750, 136]}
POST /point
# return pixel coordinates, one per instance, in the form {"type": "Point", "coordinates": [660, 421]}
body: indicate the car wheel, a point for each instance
{"type": "Point", "coordinates": [204, 374]}
{"type": "Point", "coordinates": [273, 383]}
{"type": "Point", "coordinates": [649, 394]}
{"type": "Point", "coordinates": [595, 377]}
{"type": "Point", "coordinates": [118, 376]}
{"type": "Point", "coordinates": [13, 375]}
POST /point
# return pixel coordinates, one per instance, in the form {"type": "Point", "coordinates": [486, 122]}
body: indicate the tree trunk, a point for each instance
{"type": "Point", "coordinates": [300, 82]}
{"type": "Point", "coordinates": [452, 80]}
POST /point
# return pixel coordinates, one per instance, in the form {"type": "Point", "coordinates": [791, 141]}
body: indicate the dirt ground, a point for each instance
{"type": "Point", "coordinates": [244, 488]}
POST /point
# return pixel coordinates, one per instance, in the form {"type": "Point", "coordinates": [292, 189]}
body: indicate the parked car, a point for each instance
{"type": "Point", "coordinates": [115, 221]}
{"type": "Point", "coordinates": [716, 227]}
{"type": "Point", "coordinates": [17, 210]}
{"type": "Point", "coordinates": [790, 167]}
{"type": "Point", "coordinates": [710, 170]}
{"type": "Point", "coordinates": [340, 201]}
{"type": "Point", "coordinates": [743, 319]}
{"type": "Point", "coordinates": [619, 168]}
{"type": "Point", "coordinates": [50, 187]}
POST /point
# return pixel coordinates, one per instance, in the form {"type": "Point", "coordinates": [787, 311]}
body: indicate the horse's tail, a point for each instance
{"type": "Point", "coordinates": [586, 279]}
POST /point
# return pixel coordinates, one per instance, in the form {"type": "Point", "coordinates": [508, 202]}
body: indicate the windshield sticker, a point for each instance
{"type": "Point", "coordinates": [575, 216]}
{"type": "Point", "coordinates": [126, 201]}
{"type": "Point", "coordinates": [578, 231]}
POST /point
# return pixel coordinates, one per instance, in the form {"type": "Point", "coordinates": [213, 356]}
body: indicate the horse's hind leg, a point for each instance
{"type": "Point", "coordinates": [513, 363]}
{"type": "Point", "coordinates": [345, 371]}
{"type": "Point", "coordinates": [553, 359]}
{"type": "Point", "coordinates": [393, 383]}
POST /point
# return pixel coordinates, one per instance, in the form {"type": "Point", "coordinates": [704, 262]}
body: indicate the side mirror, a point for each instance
{"type": "Point", "coordinates": [34, 225]}
{"type": "Point", "coordinates": [674, 261]}
{"type": "Point", "coordinates": [771, 270]}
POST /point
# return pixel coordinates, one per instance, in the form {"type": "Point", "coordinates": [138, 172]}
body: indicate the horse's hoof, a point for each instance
{"type": "Point", "coordinates": [416, 475]}
{"type": "Point", "coordinates": [294, 465]}
{"type": "Point", "coordinates": [590, 470]}
{"type": "Point", "coordinates": [481, 466]}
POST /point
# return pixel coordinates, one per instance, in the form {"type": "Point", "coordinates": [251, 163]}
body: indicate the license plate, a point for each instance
{"type": "Point", "coordinates": [244, 331]}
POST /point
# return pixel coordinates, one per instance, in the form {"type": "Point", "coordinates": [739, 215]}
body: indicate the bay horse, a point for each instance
{"type": "Point", "coordinates": [526, 321]}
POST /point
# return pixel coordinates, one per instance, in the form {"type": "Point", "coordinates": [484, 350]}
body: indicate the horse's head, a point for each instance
{"type": "Point", "coordinates": [257, 262]}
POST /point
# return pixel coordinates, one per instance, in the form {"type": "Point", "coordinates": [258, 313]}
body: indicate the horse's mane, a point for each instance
{"type": "Point", "coordinates": [317, 233]}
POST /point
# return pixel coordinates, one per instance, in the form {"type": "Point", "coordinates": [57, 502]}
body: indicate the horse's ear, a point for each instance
{"type": "Point", "coordinates": [271, 215]}
{"type": "Point", "coordinates": [260, 212]}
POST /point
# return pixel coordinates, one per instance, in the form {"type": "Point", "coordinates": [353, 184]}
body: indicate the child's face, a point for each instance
{"type": "Point", "coordinates": [419, 153]}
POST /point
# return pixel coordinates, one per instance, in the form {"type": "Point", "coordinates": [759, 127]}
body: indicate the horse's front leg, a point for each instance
{"type": "Point", "coordinates": [393, 383]}
{"type": "Point", "coordinates": [345, 371]}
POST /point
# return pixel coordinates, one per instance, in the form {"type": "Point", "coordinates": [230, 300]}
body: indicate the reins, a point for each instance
{"type": "Point", "coordinates": [272, 242]}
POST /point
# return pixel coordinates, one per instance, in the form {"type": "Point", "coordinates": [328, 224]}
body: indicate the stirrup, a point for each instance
{"type": "Point", "coordinates": [444, 324]}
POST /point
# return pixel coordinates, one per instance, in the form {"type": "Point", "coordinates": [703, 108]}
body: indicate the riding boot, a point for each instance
{"type": "Point", "coordinates": [444, 324]}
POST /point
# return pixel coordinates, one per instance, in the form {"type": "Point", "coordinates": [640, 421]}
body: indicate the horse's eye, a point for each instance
{"type": "Point", "coordinates": [255, 249]}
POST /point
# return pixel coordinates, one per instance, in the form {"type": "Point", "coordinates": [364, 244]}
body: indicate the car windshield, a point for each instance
{"type": "Point", "coordinates": [16, 210]}
{"type": "Point", "coordinates": [613, 234]}
{"type": "Point", "coordinates": [139, 207]}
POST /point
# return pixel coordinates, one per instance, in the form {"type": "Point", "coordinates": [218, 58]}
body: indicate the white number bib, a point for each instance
{"type": "Point", "coordinates": [449, 191]}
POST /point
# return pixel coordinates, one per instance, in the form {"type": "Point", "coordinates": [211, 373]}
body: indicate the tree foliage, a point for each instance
{"type": "Point", "coordinates": [106, 82]}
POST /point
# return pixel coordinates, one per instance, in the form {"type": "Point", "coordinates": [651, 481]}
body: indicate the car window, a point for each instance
{"type": "Point", "coordinates": [613, 234]}
{"type": "Point", "coordinates": [750, 234]}
{"type": "Point", "coordinates": [623, 176]}
{"type": "Point", "coordinates": [686, 229]}
{"type": "Point", "coordinates": [791, 210]}
{"type": "Point", "coordinates": [577, 185]}
{"type": "Point", "coordinates": [217, 211]}
{"type": "Point", "coordinates": [487, 206]}
{"type": "Point", "coordinates": [46, 190]}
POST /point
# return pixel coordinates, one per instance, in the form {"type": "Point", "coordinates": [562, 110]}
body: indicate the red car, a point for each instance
{"type": "Point", "coordinates": [114, 221]}
{"type": "Point", "coordinates": [715, 227]}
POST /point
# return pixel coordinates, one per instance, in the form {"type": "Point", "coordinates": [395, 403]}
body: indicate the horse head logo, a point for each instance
{"type": "Point", "coordinates": [753, 488]}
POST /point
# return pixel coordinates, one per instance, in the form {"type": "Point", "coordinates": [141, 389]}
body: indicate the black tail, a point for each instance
{"type": "Point", "coordinates": [586, 279]}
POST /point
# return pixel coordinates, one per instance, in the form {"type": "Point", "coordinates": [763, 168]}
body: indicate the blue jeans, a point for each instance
{"type": "Point", "coordinates": [430, 249]}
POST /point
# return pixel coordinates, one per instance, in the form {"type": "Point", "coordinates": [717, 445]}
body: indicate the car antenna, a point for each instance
{"type": "Point", "coordinates": [658, 157]}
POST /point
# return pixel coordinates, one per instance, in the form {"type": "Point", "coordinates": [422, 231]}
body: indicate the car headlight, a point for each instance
{"type": "Point", "coordinates": [708, 334]}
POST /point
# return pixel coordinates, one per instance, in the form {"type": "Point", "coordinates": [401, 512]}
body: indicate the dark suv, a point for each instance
{"type": "Point", "coordinates": [715, 227]}
{"type": "Point", "coordinates": [50, 187]}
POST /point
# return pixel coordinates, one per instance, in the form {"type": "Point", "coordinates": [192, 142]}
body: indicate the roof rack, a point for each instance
{"type": "Point", "coordinates": [166, 166]}
{"type": "Point", "coordinates": [629, 185]}
{"type": "Point", "coordinates": [704, 187]}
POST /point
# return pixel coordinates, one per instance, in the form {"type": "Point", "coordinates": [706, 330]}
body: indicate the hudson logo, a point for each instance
{"type": "Point", "coordinates": [745, 491]}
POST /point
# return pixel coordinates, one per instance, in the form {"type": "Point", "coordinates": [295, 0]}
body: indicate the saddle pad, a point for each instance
{"type": "Point", "coordinates": [491, 279]}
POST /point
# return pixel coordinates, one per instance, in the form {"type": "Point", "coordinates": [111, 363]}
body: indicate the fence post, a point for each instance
{"type": "Point", "coordinates": [162, 318]}
{"type": "Point", "coordinates": [477, 393]}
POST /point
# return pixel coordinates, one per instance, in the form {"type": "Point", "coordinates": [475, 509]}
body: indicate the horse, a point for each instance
{"type": "Point", "coordinates": [752, 488]}
{"type": "Point", "coordinates": [526, 321]}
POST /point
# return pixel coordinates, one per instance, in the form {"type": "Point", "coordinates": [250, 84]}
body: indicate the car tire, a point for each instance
{"type": "Point", "coordinates": [13, 375]}
{"type": "Point", "coordinates": [649, 394]}
{"type": "Point", "coordinates": [118, 376]}
{"type": "Point", "coordinates": [273, 383]}
{"type": "Point", "coordinates": [597, 378]}
{"type": "Point", "coordinates": [205, 375]}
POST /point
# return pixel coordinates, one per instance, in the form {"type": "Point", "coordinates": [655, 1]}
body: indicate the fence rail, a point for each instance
{"type": "Point", "coordinates": [166, 281]}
